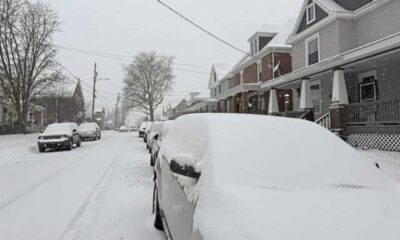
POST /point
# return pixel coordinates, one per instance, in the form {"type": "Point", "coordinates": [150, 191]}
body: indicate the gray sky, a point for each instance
{"type": "Point", "coordinates": [127, 27]}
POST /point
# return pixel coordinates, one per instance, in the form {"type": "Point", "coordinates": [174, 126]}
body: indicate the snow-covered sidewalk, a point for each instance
{"type": "Point", "coordinates": [389, 162]}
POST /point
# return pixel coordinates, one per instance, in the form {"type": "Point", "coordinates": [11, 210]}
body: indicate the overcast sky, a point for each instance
{"type": "Point", "coordinates": [126, 27]}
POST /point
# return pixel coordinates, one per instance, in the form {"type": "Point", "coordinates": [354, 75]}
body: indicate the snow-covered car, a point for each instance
{"type": "Point", "coordinates": [157, 139]}
{"type": "Point", "coordinates": [142, 128]}
{"type": "Point", "coordinates": [123, 129]}
{"type": "Point", "coordinates": [248, 177]}
{"type": "Point", "coordinates": [133, 128]}
{"type": "Point", "coordinates": [89, 131]}
{"type": "Point", "coordinates": [155, 128]}
{"type": "Point", "coordinates": [59, 135]}
{"type": "Point", "coordinates": [147, 131]}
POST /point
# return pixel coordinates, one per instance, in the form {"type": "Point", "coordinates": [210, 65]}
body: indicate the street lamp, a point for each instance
{"type": "Point", "coordinates": [95, 79]}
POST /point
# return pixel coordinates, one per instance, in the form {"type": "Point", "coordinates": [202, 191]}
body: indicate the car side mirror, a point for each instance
{"type": "Point", "coordinates": [184, 164]}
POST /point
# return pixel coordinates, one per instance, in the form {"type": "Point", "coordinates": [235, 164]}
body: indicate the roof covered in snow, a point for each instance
{"type": "Point", "coordinates": [65, 88]}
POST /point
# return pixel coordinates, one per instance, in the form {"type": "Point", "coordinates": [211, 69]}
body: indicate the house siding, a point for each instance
{"type": "Point", "coordinates": [320, 14]}
{"type": "Point", "coordinates": [378, 23]}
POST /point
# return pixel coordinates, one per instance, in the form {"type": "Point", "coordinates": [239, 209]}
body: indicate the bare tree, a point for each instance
{"type": "Point", "coordinates": [147, 79]}
{"type": "Point", "coordinates": [27, 55]}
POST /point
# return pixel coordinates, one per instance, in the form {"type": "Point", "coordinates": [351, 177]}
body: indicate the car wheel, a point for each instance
{"type": "Point", "coordinates": [78, 144]}
{"type": "Point", "coordinates": [41, 149]}
{"type": "Point", "coordinates": [157, 216]}
{"type": "Point", "coordinates": [151, 160]}
{"type": "Point", "coordinates": [70, 145]}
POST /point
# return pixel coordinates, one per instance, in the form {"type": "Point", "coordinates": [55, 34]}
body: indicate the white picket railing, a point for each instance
{"type": "Point", "coordinates": [324, 121]}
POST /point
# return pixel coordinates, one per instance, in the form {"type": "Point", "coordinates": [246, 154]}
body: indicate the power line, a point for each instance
{"type": "Point", "coordinates": [203, 29]}
{"type": "Point", "coordinates": [94, 53]}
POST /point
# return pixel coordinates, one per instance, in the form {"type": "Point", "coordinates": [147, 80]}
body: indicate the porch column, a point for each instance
{"type": "Point", "coordinates": [245, 101]}
{"type": "Point", "coordinates": [306, 103]}
{"type": "Point", "coordinates": [273, 102]}
{"type": "Point", "coordinates": [339, 101]}
{"type": "Point", "coordinates": [296, 100]}
{"type": "Point", "coordinates": [305, 96]}
{"type": "Point", "coordinates": [234, 104]}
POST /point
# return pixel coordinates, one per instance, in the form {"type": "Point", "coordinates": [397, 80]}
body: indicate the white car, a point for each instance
{"type": "Point", "coordinates": [123, 129]}
{"type": "Point", "coordinates": [155, 128]}
{"type": "Point", "coordinates": [249, 177]}
{"type": "Point", "coordinates": [59, 136]}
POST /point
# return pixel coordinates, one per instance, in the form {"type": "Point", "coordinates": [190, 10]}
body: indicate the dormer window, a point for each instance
{"type": "Point", "coordinates": [259, 71]}
{"type": "Point", "coordinates": [311, 13]}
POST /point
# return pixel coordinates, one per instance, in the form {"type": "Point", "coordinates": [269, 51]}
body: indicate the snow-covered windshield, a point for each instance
{"type": "Point", "coordinates": [58, 127]}
{"type": "Point", "coordinates": [156, 127]}
{"type": "Point", "coordinates": [87, 127]}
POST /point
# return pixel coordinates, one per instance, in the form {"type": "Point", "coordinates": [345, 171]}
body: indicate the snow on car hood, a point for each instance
{"type": "Point", "coordinates": [267, 213]}
{"type": "Point", "coordinates": [56, 133]}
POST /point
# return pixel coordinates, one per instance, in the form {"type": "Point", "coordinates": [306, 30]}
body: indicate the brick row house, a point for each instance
{"type": "Point", "coordinates": [64, 102]}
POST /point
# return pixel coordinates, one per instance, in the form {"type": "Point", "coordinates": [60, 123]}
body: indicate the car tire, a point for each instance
{"type": "Point", "coordinates": [151, 160]}
{"type": "Point", "coordinates": [158, 224]}
{"type": "Point", "coordinates": [78, 144]}
{"type": "Point", "coordinates": [70, 145]}
{"type": "Point", "coordinates": [41, 149]}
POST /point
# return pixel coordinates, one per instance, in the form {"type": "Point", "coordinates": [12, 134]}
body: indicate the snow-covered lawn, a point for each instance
{"type": "Point", "coordinates": [389, 162]}
{"type": "Point", "coordinates": [102, 190]}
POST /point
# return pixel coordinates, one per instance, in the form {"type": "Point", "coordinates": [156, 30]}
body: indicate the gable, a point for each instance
{"type": "Point", "coordinates": [320, 14]}
{"type": "Point", "coordinates": [352, 5]}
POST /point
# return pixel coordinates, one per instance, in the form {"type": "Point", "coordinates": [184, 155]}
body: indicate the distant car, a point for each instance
{"type": "Point", "coordinates": [142, 128]}
{"type": "Point", "coordinates": [157, 141]}
{"type": "Point", "coordinates": [155, 128]}
{"type": "Point", "coordinates": [89, 131]}
{"type": "Point", "coordinates": [59, 136]}
{"type": "Point", "coordinates": [277, 178]}
{"type": "Point", "coordinates": [123, 129]}
{"type": "Point", "coordinates": [147, 131]}
{"type": "Point", "coordinates": [133, 128]}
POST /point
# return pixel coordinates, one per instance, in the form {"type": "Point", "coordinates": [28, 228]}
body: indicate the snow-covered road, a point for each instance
{"type": "Point", "coordinates": [102, 190]}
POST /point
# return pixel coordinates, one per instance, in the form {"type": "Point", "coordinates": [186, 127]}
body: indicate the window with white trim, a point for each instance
{"type": "Point", "coordinates": [311, 16]}
{"type": "Point", "coordinates": [368, 89]}
{"type": "Point", "coordinates": [259, 71]}
{"type": "Point", "coordinates": [312, 50]}
{"type": "Point", "coordinates": [316, 96]}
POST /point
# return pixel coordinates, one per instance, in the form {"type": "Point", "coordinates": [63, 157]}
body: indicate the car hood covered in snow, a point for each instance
{"type": "Point", "coordinates": [266, 177]}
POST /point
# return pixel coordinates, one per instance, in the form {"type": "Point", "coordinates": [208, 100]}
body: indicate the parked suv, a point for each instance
{"type": "Point", "coordinates": [59, 136]}
{"type": "Point", "coordinates": [213, 182]}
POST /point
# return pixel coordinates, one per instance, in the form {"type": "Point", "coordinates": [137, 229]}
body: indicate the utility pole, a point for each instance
{"type": "Point", "coordinates": [94, 89]}
{"type": "Point", "coordinates": [116, 112]}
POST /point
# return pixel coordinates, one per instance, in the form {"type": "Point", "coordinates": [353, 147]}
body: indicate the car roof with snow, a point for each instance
{"type": "Point", "coordinates": [270, 151]}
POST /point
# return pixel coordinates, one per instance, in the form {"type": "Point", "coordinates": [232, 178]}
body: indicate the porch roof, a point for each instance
{"type": "Point", "coordinates": [239, 89]}
{"type": "Point", "coordinates": [368, 51]}
{"type": "Point", "coordinates": [209, 102]}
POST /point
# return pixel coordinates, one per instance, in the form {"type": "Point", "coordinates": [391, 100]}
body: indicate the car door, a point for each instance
{"type": "Point", "coordinates": [177, 209]}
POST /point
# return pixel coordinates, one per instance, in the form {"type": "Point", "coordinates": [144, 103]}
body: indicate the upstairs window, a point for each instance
{"type": "Point", "coordinates": [219, 88]}
{"type": "Point", "coordinates": [312, 50]}
{"type": "Point", "coordinates": [311, 13]}
{"type": "Point", "coordinates": [259, 71]}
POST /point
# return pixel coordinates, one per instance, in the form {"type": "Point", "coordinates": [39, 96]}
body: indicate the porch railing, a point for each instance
{"type": "Point", "coordinates": [374, 112]}
{"type": "Point", "coordinates": [324, 121]}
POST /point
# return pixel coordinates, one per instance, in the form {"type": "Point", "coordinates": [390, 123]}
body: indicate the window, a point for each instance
{"type": "Point", "coordinates": [316, 96]}
{"type": "Point", "coordinates": [259, 71]}
{"type": "Point", "coordinates": [368, 89]}
{"type": "Point", "coordinates": [219, 88]}
{"type": "Point", "coordinates": [311, 13]}
{"type": "Point", "coordinates": [312, 50]}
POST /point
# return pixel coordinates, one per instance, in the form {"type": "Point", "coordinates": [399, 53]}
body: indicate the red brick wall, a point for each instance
{"type": "Point", "coordinates": [286, 62]}
{"type": "Point", "coordinates": [250, 74]}
{"type": "Point", "coordinates": [266, 63]}
{"type": "Point", "coordinates": [236, 79]}
{"type": "Point", "coordinates": [281, 99]}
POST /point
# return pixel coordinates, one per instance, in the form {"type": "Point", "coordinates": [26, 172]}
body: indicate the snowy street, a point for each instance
{"type": "Point", "coordinates": [102, 190]}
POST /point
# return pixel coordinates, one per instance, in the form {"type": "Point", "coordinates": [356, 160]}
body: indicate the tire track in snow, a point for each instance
{"type": "Point", "coordinates": [37, 185]}
{"type": "Point", "coordinates": [73, 227]}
